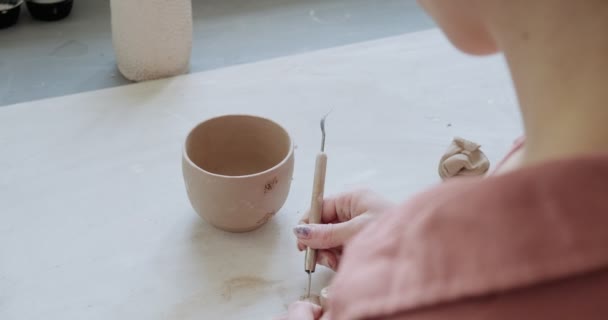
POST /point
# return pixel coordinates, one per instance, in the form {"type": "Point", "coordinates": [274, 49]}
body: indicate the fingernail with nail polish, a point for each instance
{"type": "Point", "coordinates": [302, 232]}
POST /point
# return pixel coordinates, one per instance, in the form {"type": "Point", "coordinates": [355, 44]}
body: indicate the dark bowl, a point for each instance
{"type": "Point", "coordinates": [10, 16]}
{"type": "Point", "coordinates": [50, 11]}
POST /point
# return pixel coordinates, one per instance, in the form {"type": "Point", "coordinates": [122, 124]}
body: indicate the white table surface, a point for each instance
{"type": "Point", "coordinates": [95, 221]}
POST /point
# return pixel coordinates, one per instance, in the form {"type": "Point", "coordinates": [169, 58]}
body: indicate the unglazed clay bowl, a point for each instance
{"type": "Point", "coordinates": [237, 170]}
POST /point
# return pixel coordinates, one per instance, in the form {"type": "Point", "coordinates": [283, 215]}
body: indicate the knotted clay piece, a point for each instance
{"type": "Point", "coordinates": [463, 158]}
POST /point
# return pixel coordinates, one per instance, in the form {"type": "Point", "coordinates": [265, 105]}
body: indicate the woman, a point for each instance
{"type": "Point", "coordinates": [528, 242]}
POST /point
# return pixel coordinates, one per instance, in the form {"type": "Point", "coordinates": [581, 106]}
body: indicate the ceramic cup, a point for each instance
{"type": "Point", "coordinates": [238, 170]}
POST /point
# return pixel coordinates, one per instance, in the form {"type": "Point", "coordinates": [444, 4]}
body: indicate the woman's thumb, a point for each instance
{"type": "Point", "coordinates": [325, 236]}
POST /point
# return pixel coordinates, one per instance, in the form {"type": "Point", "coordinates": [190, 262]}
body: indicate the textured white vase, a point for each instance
{"type": "Point", "coordinates": [152, 38]}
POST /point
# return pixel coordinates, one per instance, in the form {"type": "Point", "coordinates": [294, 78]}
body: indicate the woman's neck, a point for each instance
{"type": "Point", "coordinates": [560, 70]}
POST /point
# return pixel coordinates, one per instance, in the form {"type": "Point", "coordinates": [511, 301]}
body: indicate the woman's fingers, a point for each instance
{"type": "Point", "coordinates": [337, 252]}
{"type": "Point", "coordinates": [331, 208]}
{"type": "Point", "coordinates": [328, 259]}
{"type": "Point", "coordinates": [348, 205]}
{"type": "Point", "coordinates": [303, 310]}
{"type": "Point", "coordinates": [326, 236]}
{"type": "Point", "coordinates": [325, 316]}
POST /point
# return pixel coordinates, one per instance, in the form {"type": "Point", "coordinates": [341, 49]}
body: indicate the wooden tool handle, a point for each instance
{"type": "Point", "coordinates": [318, 187]}
{"type": "Point", "coordinates": [316, 206]}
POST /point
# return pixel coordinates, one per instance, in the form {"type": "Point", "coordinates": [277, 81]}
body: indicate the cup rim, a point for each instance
{"type": "Point", "coordinates": [256, 117]}
{"type": "Point", "coordinates": [15, 6]}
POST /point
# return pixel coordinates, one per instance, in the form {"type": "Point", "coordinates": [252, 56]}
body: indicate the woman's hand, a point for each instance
{"type": "Point", "coordinates": [302, 310]}
{"type": "Point", "coordinates": [343, 217]}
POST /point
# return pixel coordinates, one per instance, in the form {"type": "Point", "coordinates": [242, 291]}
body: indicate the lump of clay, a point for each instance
{"type": "Point", "coordinates": [463, 158]}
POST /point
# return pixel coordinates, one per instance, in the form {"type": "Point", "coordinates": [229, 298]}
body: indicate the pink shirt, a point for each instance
{"type": "Point", "coordinates": [527, 244]}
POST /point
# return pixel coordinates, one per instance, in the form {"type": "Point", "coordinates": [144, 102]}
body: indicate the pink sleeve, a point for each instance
{"type": "Point", "coordinates": [581, 297]}
{"type": "Point", "coordinates": [519, 142]}
{"type": "Point", "coordinates": [528, 244]}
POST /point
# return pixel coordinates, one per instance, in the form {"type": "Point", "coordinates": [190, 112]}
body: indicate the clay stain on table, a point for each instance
{"type": "Point", "coordinates": [244, 283]}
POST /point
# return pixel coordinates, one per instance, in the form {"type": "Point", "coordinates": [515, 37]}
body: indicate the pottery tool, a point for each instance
{"type": "Point", "coordinates": [316, 203]}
